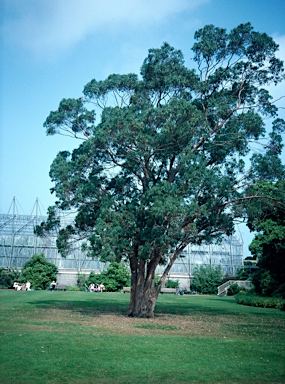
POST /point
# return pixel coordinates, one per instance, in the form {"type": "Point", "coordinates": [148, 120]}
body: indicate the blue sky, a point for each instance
{"type": "Point", "coordinates": [51, 48]}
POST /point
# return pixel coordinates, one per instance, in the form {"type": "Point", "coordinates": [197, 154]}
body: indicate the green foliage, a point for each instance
{"type": "Point", "coordinates": [94, 278]}
{"type": "Point", "coordinates": [52, 222]}
{"type": "Point", "coordinates": [8, 277]}
{"type": "Point", "coordinates": [156, 281]}
{"type": "Point", "coordinates": [207, 279]}
{"type": "Point", "coordinates": [114, 278]}
{"type": "Point", "coordinates": [39, 272]}
{"type": "Point", "coordinates": [171, 284]}
{"type": "Point", "coordinates": [176, 138]}
{"type": "Point", "coordinates": [266, 285]}
{"type": "Point", "coordinates": [233, 290]}
{"type": "Point", "coordinates": [259, 301]}
{"type": "Point", "coordinates": [266, 217]}
{"type": "Point", "coordinates": [81, 278]}
{"type": "Point", "coordinates": [243, 274]}
{"type": "Point", "coordinates": [72, 114]}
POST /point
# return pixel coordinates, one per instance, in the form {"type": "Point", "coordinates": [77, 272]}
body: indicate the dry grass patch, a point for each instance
{"type": "Point", "coordinates": [218, 326]}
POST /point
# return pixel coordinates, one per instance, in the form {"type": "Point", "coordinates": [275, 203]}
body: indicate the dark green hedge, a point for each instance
{"type": "Point", "coordinates": [259, 301]}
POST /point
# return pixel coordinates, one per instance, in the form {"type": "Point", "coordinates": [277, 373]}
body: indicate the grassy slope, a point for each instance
{"type": "Point", "coordinates": [78, 337]}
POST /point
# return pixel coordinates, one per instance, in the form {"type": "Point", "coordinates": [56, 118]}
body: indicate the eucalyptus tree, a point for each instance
{"type": "Point", "coordinates": [162, 166]}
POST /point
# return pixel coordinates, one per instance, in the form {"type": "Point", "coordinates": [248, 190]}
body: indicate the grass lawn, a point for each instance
{"type": "Point", "coordinates": [77, 337]}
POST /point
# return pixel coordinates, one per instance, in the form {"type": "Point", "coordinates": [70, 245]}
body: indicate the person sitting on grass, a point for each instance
{"type": "Point", "coordinates": [52, 285]}
{"type": "Point", "coordinates": [92, 287]}
{"type": "Point", "coordinates": [17, 286]}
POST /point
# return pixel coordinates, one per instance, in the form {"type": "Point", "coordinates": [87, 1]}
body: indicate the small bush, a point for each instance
{"type": "Point", "coordinates": [280, 291]}
{"type": "Point", "coordinates": [8, 277]}
{"type": "Point", "coordinates": [94, 278]}
{"type": "Point", "coordinates": [171, 284]}
{"type": "Point", "coordinates": [114, 278]}
{"type": "Point", "coordinates": [207, 279]}
{"type": "Point", "coordinates": [259, 301]}
{"type": "Point", "coordinates": [39, 272]}
{"type": "Point", "coordinates": [233, 290]}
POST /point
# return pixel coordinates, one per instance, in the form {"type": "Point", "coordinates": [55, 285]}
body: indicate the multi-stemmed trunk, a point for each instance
{"type": "Point", "coordinates": [143, 295]}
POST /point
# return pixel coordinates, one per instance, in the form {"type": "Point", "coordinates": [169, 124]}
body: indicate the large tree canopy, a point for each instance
{"type": "Point", "coordinates": [163, 167]}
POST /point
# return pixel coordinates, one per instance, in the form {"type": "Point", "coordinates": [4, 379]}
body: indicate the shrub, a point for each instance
{"type": "Point", "coordinates": [280, 291]}
{"type": "Point", "coordinates": [39, 272]}
{"type": "Point", "coordinates": [8, 277]}
{"type": "Point", "coordinates": [94, 278]}
{"type": "Point", "coordinates": [259, 301]}
{"type": "Point", "coordinates": [114, 278]}
{"type": "Point", "coordinates": [207, 279]}
{"type": "Point", "coordinates": [233, 290]}
{"type": "Point", "coordinates": [171, 284]}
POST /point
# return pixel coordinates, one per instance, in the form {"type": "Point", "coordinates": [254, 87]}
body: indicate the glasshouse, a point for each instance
{"type": "Point", "coordinates": [18, 244]}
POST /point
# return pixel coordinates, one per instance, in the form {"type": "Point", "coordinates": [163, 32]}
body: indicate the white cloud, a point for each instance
{"type": "Point", "coordinates": [47, 27]}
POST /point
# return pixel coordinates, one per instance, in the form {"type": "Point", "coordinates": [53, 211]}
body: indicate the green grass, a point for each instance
{"type": "Point", "coordinates": [78, 337]}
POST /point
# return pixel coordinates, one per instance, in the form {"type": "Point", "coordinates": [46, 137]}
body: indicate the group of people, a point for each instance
{"type": "Point", "coordinates": [22, 287]}
{"type": "Point", "coordinates": [96, 288]}
{"type": "Point", "coordinates": [27, 286]}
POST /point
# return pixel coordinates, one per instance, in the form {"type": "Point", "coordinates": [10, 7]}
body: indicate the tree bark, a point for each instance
{"type": "Point", "coordinates": [143, 295]}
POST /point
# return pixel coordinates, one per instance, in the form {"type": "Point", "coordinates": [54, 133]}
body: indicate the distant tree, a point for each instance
{"type": "Point", "coordinates": [39, 272]}
{"type": "Point", "coordinates": [163, 167]}
{"type": "Point", "coordinates": [207, 279]}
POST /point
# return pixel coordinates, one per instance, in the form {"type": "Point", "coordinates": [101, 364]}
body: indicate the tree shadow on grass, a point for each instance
{"type": "Point", "coordinates": [85, 307]}
{"type": "Point", "coordinates": [118, 305]}
{"type": "Point", "coordinates": [174, 305]}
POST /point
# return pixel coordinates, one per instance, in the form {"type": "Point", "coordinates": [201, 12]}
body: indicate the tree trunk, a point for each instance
{"type": "Point", "coordinates": [143, 295]}
{"type": "Point", "coordinates": [143, 305]}
{"type": "Point", "coordinates": [167, 269]}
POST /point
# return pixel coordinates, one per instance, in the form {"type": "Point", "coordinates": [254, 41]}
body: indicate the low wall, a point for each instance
{"type": "Point", "coordinates": [69, 277]}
